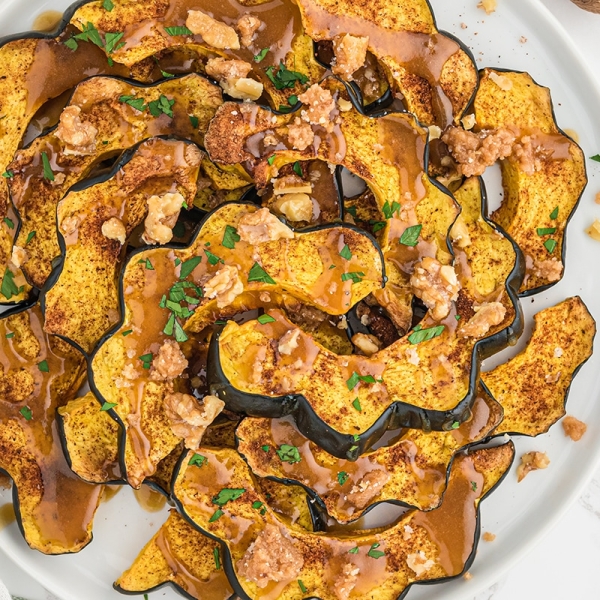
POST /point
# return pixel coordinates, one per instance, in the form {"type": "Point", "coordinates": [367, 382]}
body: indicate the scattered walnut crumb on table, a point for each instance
{"type": "Point", "coordinates": [574, 428]}
{"type": "Point", "coordinates": [489, 6]}
{"type": "Point", "coordinates": [532, 461]}
{"type": "Point", "coordinates": [467, 576]}
{"type": "Point", "coordinates": [488, 537]}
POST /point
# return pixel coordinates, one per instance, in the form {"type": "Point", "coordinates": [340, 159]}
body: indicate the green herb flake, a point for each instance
{"type": "Point", "coordinates": [355, 276]}
{"type": "Point", "coordinates": [216, 515]}
{"type": "Point", "coordinates": [389, 211]}
{"type": "Point", "coordinates": [230, 237]}
{"type": "Point", "coordinates": [26, 413]}
{"type": "Point", "coordinates": [356, 377]}
{"type": "Point", "coordinates": [596, 157]}
{"type": "Point", "coordinates": [298, 168]}
{"type": "Point", "coordinates": [137, 103]}
{"type": "Point", "coordinates": [195, 121]}
{"type": "Point", "coordinates": [9, 336]}
{"type": "Point", "coordinates": [346, 253]}
{"type": "Point", "coordinates": [257, 273]}
{"type": "Point", "coordinates": [264, 319]}
{"type": "Point", "coordinates": [356, 437]}
{"type": "Point", "coordinates": [71, 44]}
{"type": "Point", "coordinates": [342, 477]}
{"type": "Point", "coordinates": [265, 448]}
{"type": "Point", "coordinates": [377, 225]}
{"type": "Point", "coordinates": [213, 259]}
{"type": "Point", "coordinates": [284, 78]}
{"type": "Point", "coordinates": [302, 586]}
{"type": "Point", "coordinates": [90, 34]}
{"type": "Point", "coordinates": [217, 557]}
{"type": "Point", "coordinates": [550, 245]}
{"type": "Point", "coordinates": [8, 174]}
{"type": "Point", "coordinates": [332, 267]}
{"type": "Point", "coordinates": [148, 265]}
{"type": "Point", "coordinates": [554, 214]}
{"type": "Point", "coordinates": [545, 230]}
{"type": "Point", "coordinates": [9, 288]}
{"type": "Point", "coordinates": [166, 75]}
{"type": "Point", "coordinates": [261, 55]}
{"type": "Point", "coordinates": [170, 326]}
{"type": "Point", "coordinates": [174, 31]}
{"type": "Point", "coordinates": [128, 332]}
{"type": "Point", "coordinates": [473, 486]}
{"type": "Point", "coordinates": [455, 425]}
{"type": "Point", "coordinates": [227, 495]}
{"type": "Point", "coordinates": [48, 173]}
{"type": "Point", "coordinates": [43, 366]}
{"type": "Point", "coordinates": [108, 406]}
{"type": "Point", "coordinates": [256, 505]}
{"type": "Point", "coordinates": [351, 210]}
{"type": "Point", "coordinates": [197, 460]}
{"type": "Point", "coordinates": [108, 5]}
{"type": "Point", "coordinates": [356, 404]}
{"type": "Point", "coordinates": [220, 322]}
{"type": "Point", "coordinates": [147, 360]}
{"type": "Point", "coordinates": [113, 42]}
{"type": "Point", "coordinates": [180, 335]}
{"type": "Point", "coordinates": [161, 106]}
{"type": "Point", "coordinates": [188, 267]}
{"type": "Point", "coordinates": [289, 454]}
{"type": "Point", "coordinates": [457, 317]}
{"type": "Point", "coordinates": [30, 236]}
{"type": "Point", "coordinates": [353, 550]}
{"type": "Point", "coordinates": [424, 335]}
{"type": "Point", "coordinates": [410, 237]}
{"type": "Point", "coordinates": [9, 223]}
{"type": "Point", "coordinates": [374, 553]}
{"type": "Point", "coordinates": [293, 100]}
{"type": "Point", "coordinates": [271, 159]}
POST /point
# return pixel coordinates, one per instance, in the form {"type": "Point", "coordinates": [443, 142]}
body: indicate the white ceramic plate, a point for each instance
{"type": "Point", "coordinates": [518, 514]}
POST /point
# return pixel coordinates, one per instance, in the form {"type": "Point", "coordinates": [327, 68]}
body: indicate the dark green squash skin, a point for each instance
{"type": "Point", "coordinates": [398, 414]}
{"type": "Point", "coordinates": [227, 562]}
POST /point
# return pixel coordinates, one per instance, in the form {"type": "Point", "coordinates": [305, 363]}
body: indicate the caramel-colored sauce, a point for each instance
{"type": "Point", "coordinates": [150, 500]}
{"type": "Point", "coordinates": [110, 491]}
{"type": "Point", "coordinates": [7, 516]}
{"type": "Point", "coordinates": [53, 500]}
{"type": "Point", "coordinates": [47, 20]}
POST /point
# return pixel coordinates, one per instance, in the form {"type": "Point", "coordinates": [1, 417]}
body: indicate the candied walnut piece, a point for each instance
{"type": "Point", "coordinates": [247, 26]}
{"type": "Point", "coordinates": [19, 256]}
{"type": "Point", "coordinates": [128, 375]}
{"type": "Point", "coordinates": [291, 184]}
{"type": "Point", "coordinates": [169, 362]}
{"type": "Point", "coordinates": [574, 428]}
{"type": "Point", "coordinates": [78, 136]}
{"type": "Point", "coordinates": [437, 285]}
{"type": "Point", "coordinates": [319, 106]}
{"type": "Point", "coordinates": [163, 212]}
{"type": "Point", "coordinates": [225, 286]}
{"type": "Point", "coordinates": [486, 316]}
{"type": "Point", "coordinates": [271, 557]}
{"type": "Point", "coordinates": [350, 54]}
{"type": "Point", "coordinates": [474, 152]}
{"type": "Point", "coordinates": [419, 563]}
{"type": "Point", "coordinates": [548, 269]}
{"type": "Point", "coordinates": [113, 229]}
{"type": "Point", "coordinates": [295, 207]}
{"type": "Point", "coordinates": [289, 341]}
{"type": "Point", "coordinates": [232, 77]}
{"type": "Point", "coordinates": [503, 82]}
{"type": "Point", "coordinates": [191, 417]}
{"type": "Point", "coordinates": [70, 225]}
{"type": "Point", "coordinates": [532, 461]}
{"type": "Point", "coordinates": [346, 581]}
{"type": "Point", "coordinates": [262, 226]}
{"type": "Point", "coordinates": [368, 344]}
{"type": "Point", "coordinates": [215, 34]}
{"type": "Point", "coordinates": [488, 537]}
{"type": "Point", "coordinates": [368, 488]}
{"type": "Point", "coordinates": [529, 154]}
{"type": "Point", "coordinates": [300, 134]}
{"type": "Point", "coordinates": [460, 233]}
{"type": "Point", "coordinates": [488, 5]}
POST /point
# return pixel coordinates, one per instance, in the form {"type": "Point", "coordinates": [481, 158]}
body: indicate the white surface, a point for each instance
{"type": "Point", "coordinates": [565, 564]}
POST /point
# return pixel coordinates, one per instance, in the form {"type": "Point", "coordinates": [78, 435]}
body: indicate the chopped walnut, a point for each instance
{"type": "Point", "coordinates": [128, 375]}
{"type": "Point", "coordinates": [460, 233]}
{"type": "Point", "coordinates": [247, 26]}
{"type": "Point", "coordinates": [291, 184]}
{"type": "Point", "coordinates": [502, 81]}
{"type": "Point", "coordinates": [368, 344]}
{"type": "Point", "coordinates": [300, 134]}
{"type": "Point", "coordinates": [295, 207]}
{"type": "Point", "coordinates": [488, 537]}
{"type": "Point", "coordinates": [550, 270]}
{"type": "Point", "coordinates": [368, 488]}
{"type": "Point", "coordinates": [225, 286]}
{"type": "Point", "coordinates": [474, 152]}
{"type": "Point", "coordinates": [271, 557]}
{"type": "Point", "coordinates": [594, 230]}
{"type": "Point", "coordinates": [346, 581]}
{"type": "Point", "coordinates": [532, 461]}
{"type": "Point", "coordinates": [350, 54]}
{"type": "Point", "coordinates": [467, 576]}
{"type": "Point", "coordinates": [191, 417]}
{"type": "Point", "coordinates": [70, 225]}
{"type": "Point", "coordinates": [529, 154]}
{"type": "Point", "coordinates": [215, 33]}
{"type": "Point", "coordinates": [437, 285]}
{"type": "Point", "coordinates": [319, 106]}
{"type": "Point", "coordinates": [289, 341]}
{"type": "Point", "coordinates": [78, 136]}
{"type": "Point", "coordinates": [261, 227]}
{"type": "Point", "coordinates": [489, 6]}
{"type": "Point", "coordinates": [574, 428]}
{"type": "Point", "coordinates": [114, 229]}
{"type": "Point", "coordinates": [344, 105]}
{"type": "Point", "coordinates": [169, 363]}
{"type": "Point", "coordinates": [488, 315]}
{"type": "Point", "coordinates": [163, 212]}
{"type": "Point", "coordinates": [468, 122]}
{"type": "Point", "coordinates": [232, 77]}
{"type": "Point", "coordinates": [419, 563]}
{"type": "Point", "coordinates": [18, 256]}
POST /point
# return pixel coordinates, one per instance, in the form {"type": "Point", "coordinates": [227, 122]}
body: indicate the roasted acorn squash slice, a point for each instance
{"type": "Point", "coordinates": [220, 499]}
{"type": "Point", "coordinates": [55, 509]}
{"type": "Point", "coordinates": [537, 206]}
{"type": "Point", "coordinates": [105, 110]}
{"type": "Point", "coordinates": [91, 261]}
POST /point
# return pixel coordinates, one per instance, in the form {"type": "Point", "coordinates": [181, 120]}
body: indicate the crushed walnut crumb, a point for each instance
{"type": "Point", "coordinates": [488, 537]}
{"type": "Point", "coordinates": [419, 563]}
{"type": "Point", "coordinates": [460, 233]}
{"type": "Point", "coordinates": [368, 488]}
{"type": "Point", "coordinates": [70, 225]}
{"type": "Point", "coordinates": [487, 315]}
{"type": "Point", "coordinates": [350, 54]}
{"type": "Point", "coordinates": [114, 229]}
{"type": "Point", "coordinates": [300, 134]}
{"type": "Point", "coordinates": [346, 581]}
{"type": "Point", "coordinates": [225, 285]}
{"type": "Point", "coordinates": [502, 81]}
{"type": "Point", "coordinates": [574, 428]}
{"type": "Point", "coordinates": [247, 26]}
{"type": "Point", "coordinates": [169, 362]}
{"type": "Point", "coordinates": [18, 256]}
{"type": "Point", "coordinates": [261, 227]}
{"type": "Point", "coordinates": [215, 33]}
{"type": "Point", "coordinates": [550, 270]}
{"type": "Point", "coordinates": [78, 136]}
{"type": "Point", "coordinates": [163, 212]}
{"type": "Point", "coordinates": [467, 576]}
{"type": "Point", "coordinates": [289, 341]}
{"type": "Point", "coordinates": [191, 417]}
{"type": "Point", "coordinates": [532, 461]}
{"type": "Point", "coordinates": [436, 285]}
{"type": "Point", "coordinates": [319, 105]}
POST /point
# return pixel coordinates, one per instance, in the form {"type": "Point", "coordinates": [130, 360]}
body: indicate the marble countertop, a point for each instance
{"type": "Point", "coordinates": [564, 564]}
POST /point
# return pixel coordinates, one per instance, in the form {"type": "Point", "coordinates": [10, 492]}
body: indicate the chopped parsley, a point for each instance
{"type": "Point", "coordinates": [356, 404]}
{"type": "Point", "coordinates": [271, 159]}
{"type": "Point", "coordinates": [128, 332]}
{"type": "Point", "coordinates": [8, 174]}
{"type": "Point", "coordinates": [216, 515]}
{"type": "Point", "coordinates": [9, 336]}
{"type": "Point", "coordinates": [353, 550]}
{"type": "Point", "coordinates": [264, 319]}
{"type": "Point", "coordinates": [195, 121]}
{"type": "Point", "coordinates": [410, 237]}
{"type": "Point", "coordinates": [298, 168]}
{"type": "Point", "coordinates": [230, 237]}
{"type": "Point", "coordinates": [257, 273]}
{"type": "Point", "coordinates": [137, 103]}
{"type": "Point", "coordinates": [30, 236]}
{"type": "Point", "coordinates": [188, 267]}
{"type": "Point", "coordinates": [389, 211]}
{"type": "Point", "coordinates": [212, 258]}
{"type": "Point", "coordinates": [108, 406]}
{"type": "Point", "coordinates": [377, 225]}
{"type": "Point", "coordinates": [9, 223]}
{"type": "Point", "coordinates": [217, 558]}
{"type": "Point", "coordinates": [554, 214]}
{"type": "Point", "coordinates": [354, 276]}
{"type": "Point", "coordinates": [181, 30]}
{"type": "Point", "coordinates": [289, 454]}
{"type": "Point", "coordinates": [473, 486]}
{"type": "Point", "coordinates": [26, 413]}
{"type": "Point", "coordinates": [146, 262]}
{"type": "Point", "coordinates": [293, 100]}
{"type": "Point", "coordinates": [596, 157]}
{"type": "Point", "coordinates": [161, 106]}
{"type": "Point", "coordinates": [227, 495]}
{"type": "Point", "coordinates": [43, 366]}
{"type": "Point", "coordinates": [9, 288]}
{"type": "Point", "coordinates": [261, 55]}
{"type": "Point", "coordinates": [265, 448]}
{"type": "Point", "coordinates": [351, 210]}
{"type": "Point", "coordinates": [108, 5]}
{"type": "Point", "coordinates": [302, 586]}
{"type": "Point", "coordinates": [545, 230]}
{"type": "Point", "coordinates": [374, 553]}
{"type": "Point", "coordinates": [197, 460]}
{"type": "Point", "coordinates": [345, 253]}
{"type": "Point", "coordinates": [355, 378]}
{"type": "Point", "coordinates": [342, 477]}
{"type": "Point", "coordinates": [455, 425]}
{"type": "Point", "coordinates": [423, 335]}
{"type": "Point", "coordinates": [147, 360]}
{"type": "Point", "coordinates": [89, 34]}
{"type": "Point", "coordinates": [113, 42]}
{"type": "Point", "coordinates": [550, 245]}
{"type": "Point", "coordinates": [48, 173]}
{"type": "Point", "coordinates": [284, 78]}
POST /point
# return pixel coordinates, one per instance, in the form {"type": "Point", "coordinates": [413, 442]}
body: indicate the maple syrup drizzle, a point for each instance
{"type": "Point", "coordinates": [47, 21]}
